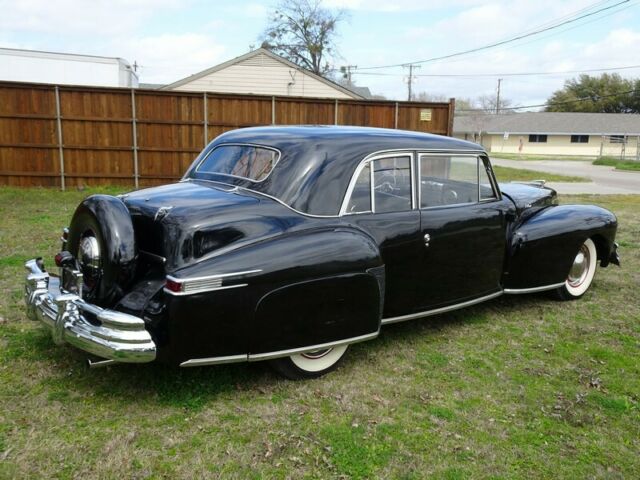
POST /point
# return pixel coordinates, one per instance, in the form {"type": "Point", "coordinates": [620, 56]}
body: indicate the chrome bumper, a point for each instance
{"type": "Point", "coordinates": [106, 333]}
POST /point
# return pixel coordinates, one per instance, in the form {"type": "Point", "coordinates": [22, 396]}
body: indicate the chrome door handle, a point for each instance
{"type": "Point", "coordinates": [427, 239]}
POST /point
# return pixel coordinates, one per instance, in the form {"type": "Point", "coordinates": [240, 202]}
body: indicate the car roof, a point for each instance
{"type": "Point", "coordinates": [317, 161]}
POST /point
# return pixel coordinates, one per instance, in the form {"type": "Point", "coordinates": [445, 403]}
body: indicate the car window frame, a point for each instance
{"type": "Point", "coordinates": [410, 153]}
{"type": "Point", "coordinates": [480, 158]}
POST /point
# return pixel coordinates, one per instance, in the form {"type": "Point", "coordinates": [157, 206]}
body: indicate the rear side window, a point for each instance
{"type": "Point", "coordinates": [243, 161]}
{"type": "Point", "coordinates": [382, 185]}
{"type": "Point", "coordinates": [392, 184]}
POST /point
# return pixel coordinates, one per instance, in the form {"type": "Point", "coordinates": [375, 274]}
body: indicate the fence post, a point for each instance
{"type": "Point", "coordinates": [601, 145]}
{"type": "Point", "coordinates": [59, 129]}
{"type": "Point", "coordinates": [335, 113]}
{"type": "Point", "coordinates": [134, 131]}
{"type": "Point", "coordinates": [395, 124]}
{"type": "Point", "coordinates": [273, 110]}
{"type": "Point", "coordinates": [206, 119]}
{"type": "Point", "coordinates": [452, 112]}
{"type": "Point", "coordinates": [638, 148]}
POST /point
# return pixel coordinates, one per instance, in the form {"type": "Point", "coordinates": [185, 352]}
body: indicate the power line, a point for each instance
{"type": "Point", "coordinates": [510, 40]}
{"type": "Point", "coordinates": [581, 99]}
{"type": "Point", "coordinates": [502, 74]}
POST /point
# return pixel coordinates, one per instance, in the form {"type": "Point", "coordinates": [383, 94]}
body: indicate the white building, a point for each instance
{"type": "Point", "coordinates": [65, 69]}
{"type": "Point", "coordinates": [261, 72]}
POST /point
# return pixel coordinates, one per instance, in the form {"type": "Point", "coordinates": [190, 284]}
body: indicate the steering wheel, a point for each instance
{"type": "Point", "coordinates": [449, 196]}
{"type": "Point", "coordinates": [385, 183]}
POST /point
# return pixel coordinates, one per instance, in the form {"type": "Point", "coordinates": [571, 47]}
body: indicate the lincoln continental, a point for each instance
{"type": "Point", "coordinates": [289, 244]}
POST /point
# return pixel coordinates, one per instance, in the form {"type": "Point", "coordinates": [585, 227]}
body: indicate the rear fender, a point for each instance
{"type": "Point", "coordinates": [541, 250]}
{"type": "Point", "coordinates": [306, 288]}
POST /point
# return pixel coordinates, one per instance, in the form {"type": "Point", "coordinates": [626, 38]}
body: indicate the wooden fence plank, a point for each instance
{"type": "Point", "coordinates": [99, 136]}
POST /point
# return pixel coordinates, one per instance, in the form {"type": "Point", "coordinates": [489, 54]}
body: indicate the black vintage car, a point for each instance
{"type": "Point", "coordinates": [290, 243]}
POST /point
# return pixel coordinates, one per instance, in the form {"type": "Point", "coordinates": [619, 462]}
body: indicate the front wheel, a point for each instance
{"type": "Point", "coordinates": [581, 274]}
{"type": "Point", "coordinates": [309, 364]}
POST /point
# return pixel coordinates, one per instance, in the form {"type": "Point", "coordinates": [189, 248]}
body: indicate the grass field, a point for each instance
{"type": "Point", "coordinates": [520, 387]}
{"type": "Point", "coordinates": [522, 156]}
{"type": "Point", "coordinates": [619, 164]}
{"type": "Point", "coordinates": [507, 174]}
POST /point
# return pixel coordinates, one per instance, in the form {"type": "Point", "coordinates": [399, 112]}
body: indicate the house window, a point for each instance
{"type": "Point", "coordinates": [579, 138]}
{"type": "Point", "coordinates": [616, 139]}
{"type": "Point", "coordinates": [537, 139]}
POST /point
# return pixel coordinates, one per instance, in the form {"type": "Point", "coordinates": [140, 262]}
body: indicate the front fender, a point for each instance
{"type": "Point", "coordinates": [541, 250]}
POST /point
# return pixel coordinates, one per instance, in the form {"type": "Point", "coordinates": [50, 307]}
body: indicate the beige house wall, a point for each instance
{"type": "Point", "coordinates": [263, 75]}
{"type": "Point", "coordinates": [556, 145]}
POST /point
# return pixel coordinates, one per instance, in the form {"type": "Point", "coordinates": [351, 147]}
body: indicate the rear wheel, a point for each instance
{"type": "Point", "coordinates": [581, 273]}
{"type": "Point", "coordinates": [309, 364]}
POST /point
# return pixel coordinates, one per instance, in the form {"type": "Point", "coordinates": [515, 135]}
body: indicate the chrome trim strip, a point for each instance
{"type": "Point", "coordinates": [202, 290]}
{"type": "Point", "coordinates": [209, 277]}
{"type": "Point", "coordinates": [255, 357]}
{"type": "Point", "coordinates": [428, 313]}
{"type": "Point", "coordinates": [207, 283]}
{"type": "Point", "coordinates": [197, 362]}
{"type": "Point", "coordinates": [544, 288]}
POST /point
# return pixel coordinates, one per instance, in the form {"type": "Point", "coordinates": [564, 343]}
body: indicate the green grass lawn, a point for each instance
{"type": "Point", "coordinates": [619, 164]}
{"type": "Point", "coordinates": [519, 387]}
{"type": "Point", "coordinates": [508, 174]}
{"type": "Point", "coordinates": [522, 156]}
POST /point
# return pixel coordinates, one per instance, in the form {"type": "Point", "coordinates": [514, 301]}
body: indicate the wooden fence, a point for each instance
{"type": "Point", "coordinates": [70, 136]}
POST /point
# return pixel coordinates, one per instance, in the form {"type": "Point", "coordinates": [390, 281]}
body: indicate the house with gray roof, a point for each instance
{"type": "Point", "coordinates": [553, 133]}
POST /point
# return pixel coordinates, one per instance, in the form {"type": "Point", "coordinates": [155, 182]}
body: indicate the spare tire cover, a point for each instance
{"type": "Point", "coordinates": [101, 237]}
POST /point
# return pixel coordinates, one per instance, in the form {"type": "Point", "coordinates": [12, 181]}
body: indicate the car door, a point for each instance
{"type": "Point", "coordinates": [462, 223]}
{"type": "Point", "coordinates": [382, 200]}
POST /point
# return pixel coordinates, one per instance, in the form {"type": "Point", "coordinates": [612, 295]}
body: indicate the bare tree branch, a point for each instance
{"type": "Point", "coordinates": [303, 32]}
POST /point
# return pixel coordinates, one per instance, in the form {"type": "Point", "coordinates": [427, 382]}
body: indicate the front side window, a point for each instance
{"type": "Point", "coordinates": [244, 161]}
{"type": "Point", "coordinates": [452, 180]}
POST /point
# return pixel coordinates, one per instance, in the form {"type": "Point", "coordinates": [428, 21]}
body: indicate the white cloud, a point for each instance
{"type": "Point", "coordinates": [65, 17]}
{"type": "Point", "coordinates": [167, 58]}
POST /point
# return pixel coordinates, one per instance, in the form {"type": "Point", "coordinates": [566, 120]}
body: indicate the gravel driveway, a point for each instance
{"type": "Point", "coordinates": [606, 180]}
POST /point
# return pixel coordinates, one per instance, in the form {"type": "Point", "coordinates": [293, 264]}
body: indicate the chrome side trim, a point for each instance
{"type": "Point", "coordinates": [544, 288]}
{"type": "Point", "coordinates": [202, 290]}
{"type": "Point", "coordinates": [208, 283]}
{"type": "Point", "coordinates": [210, 277]}
{"type": "Point", "coordinates": [428, 313]}
{"type": "Point", "coordinates": [197, 362]}
{"type": "Point", "coordinates": [256, 357]}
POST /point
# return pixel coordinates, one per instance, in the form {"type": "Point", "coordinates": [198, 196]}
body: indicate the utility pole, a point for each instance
{"type": "Point", "coordinates": [346, 72]}
{"type": "Point", "coordinates": [498, 97]}
{"type": "Point", "coordinates": [410, 66]}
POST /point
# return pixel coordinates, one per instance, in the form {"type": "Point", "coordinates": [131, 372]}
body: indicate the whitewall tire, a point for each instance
{"type": "Point", "coordinates": [310, 364]}
{"type": "Point", "coordinates": [581, 274]}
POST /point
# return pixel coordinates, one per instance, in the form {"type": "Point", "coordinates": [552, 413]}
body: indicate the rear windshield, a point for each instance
{"type": "Point", "coordinates": [243, 161]}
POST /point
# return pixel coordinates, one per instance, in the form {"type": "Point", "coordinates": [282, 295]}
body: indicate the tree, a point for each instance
{"type": "Point", "coordinates": [608, 93]}
{"type": "Point", "coordinates": [488, 104]}
{"type": "Point", "coordinates": [303, 32]}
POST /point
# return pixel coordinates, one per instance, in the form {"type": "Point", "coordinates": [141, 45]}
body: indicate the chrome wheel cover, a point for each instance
{"type": "Point", "coordinates": [580, 268]}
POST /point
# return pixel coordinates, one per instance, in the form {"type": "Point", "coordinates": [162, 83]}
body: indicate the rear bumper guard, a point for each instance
{"type": "Point", "coordinates": [106, 333]}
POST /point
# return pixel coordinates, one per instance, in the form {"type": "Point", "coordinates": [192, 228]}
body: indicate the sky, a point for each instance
{"type": "Point", "coordinates": [171, 39]}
